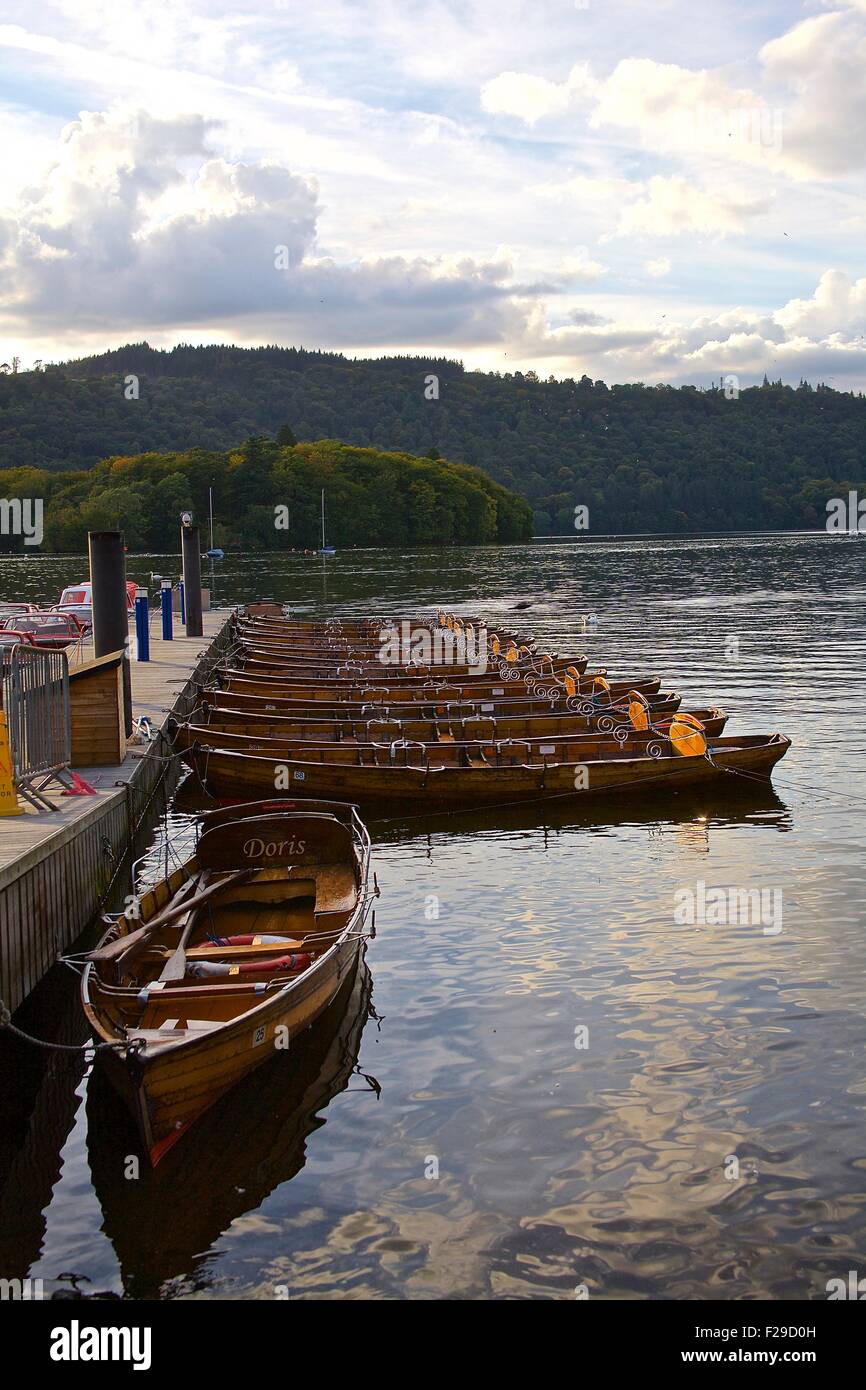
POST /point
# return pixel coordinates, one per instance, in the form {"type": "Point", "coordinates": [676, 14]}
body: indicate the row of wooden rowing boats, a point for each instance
{"type": "Point", "coordinates": [238, 950]}
{"type": "Point", "coordinates": [442, 713]}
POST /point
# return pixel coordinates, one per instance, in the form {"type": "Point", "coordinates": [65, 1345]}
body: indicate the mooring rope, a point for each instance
{"type": "Point", "coordinates": [826, 792]}
{"type": "Point", "coordinates": [10, 1027]}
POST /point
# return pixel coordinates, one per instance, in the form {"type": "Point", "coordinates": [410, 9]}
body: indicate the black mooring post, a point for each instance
{"type": "Point", "coordinates": [191, 548]}
{"type": "Point", "coordinates": [110, 611]}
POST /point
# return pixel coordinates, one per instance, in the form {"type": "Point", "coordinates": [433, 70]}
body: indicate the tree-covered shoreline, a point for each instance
{"type": "Point", "coordinates": [267, 495]}
{"type": "Point", "coordinates": [640, 458]}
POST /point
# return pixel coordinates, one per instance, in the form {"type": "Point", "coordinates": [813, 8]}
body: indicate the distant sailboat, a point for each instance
{"type": "Point", "coordinates": [214, 553]}
{"type": "Point", "coordinates": [326, 549]}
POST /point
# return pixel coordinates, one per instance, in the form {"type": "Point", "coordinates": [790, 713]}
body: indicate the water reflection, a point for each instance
{"type": "Point", "coordinates": [499, 937]}
{"type": "Point", "coordinates": [39, 1099]}
{"type": "Point", "coordinates": [163, 1222]}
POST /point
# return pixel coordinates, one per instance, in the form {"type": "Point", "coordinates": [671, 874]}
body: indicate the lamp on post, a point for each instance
{"type": "Point", "coordinates": [191, 550]}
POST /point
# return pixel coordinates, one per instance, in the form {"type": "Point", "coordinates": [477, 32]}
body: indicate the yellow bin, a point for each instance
{"type": "Point", "coordinates": [8, 800]}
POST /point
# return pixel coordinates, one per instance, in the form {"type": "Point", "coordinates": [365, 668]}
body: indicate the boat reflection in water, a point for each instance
{"type": "Point", "coordinates": [162, 1225]}
{"type": "Point", "coordinates": [692, 813]}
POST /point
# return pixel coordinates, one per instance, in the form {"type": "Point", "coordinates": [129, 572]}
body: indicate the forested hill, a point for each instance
{"type": "Point", "coordinates": [640, 458]}
{"type": "Point", "coordinates": [267, 496]}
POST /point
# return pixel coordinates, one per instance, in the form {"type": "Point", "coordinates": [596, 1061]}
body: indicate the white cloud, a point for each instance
{"type": "Point", "coordinates": [582, 267]}
{"type": "Point", "coordinates": [674, 206]}
{"type": "Point", "coordinates": [355, 136]}
{"type": "Point", "coordinates": [660, 206]}
{"type": "Point", "coordinates": [838, 306]}
{"type": "Point", "coordinates": [532, 98]}
{"type": "Point", "coordinates": [138, 224]}
{"type": "Point", "coordinates": [822, 62]}
{"type": "Point", "coordinates": [583, 189]}
{"type": "Point", "coordinates": [805, 119]}
{"type": "Point", "coordinates": [699, 112]}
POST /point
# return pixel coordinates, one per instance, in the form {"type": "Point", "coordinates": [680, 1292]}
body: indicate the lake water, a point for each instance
{"type": "Point", "coordinates": [542, 1080]}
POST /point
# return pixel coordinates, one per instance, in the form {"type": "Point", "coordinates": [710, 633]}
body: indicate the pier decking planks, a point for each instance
{"type": "Point", "coordinates": [55, 867]}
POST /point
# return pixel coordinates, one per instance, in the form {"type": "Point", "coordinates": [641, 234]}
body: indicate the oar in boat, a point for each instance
{"type": "Point", "coordinates": [175, 966]}
{"type": "Point", "coordinates": [115, 950]}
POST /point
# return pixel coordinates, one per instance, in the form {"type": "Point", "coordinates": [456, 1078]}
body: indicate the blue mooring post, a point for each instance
{"type": "Point", "coordinates": [182, 603]}
{"type": "Point", "coordinates": [166, 610]}
{"type": "Point", "coordinates": [142, 630]}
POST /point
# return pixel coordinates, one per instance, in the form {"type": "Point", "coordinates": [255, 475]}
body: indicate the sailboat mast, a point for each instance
{"type": "Point", "coordinates": [210, 504]}
{"type": "Point", "coordinates": [323, 518]}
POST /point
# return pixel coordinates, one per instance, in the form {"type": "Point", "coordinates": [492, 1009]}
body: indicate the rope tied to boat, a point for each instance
{"type": "Point", "coordinates": [10, 1027]}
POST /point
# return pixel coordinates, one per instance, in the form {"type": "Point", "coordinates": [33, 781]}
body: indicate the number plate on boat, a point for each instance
{"type": "Point", "coordinates": [498, 692]}
{"type": "Point", "coordinates": [299, 776]}
{"type": "Point", "coordinates": [487, 709]}
{"type": "Point", "coordinates": [259, 1036]}
{"type": "Point", "coordinates": [547, 748]}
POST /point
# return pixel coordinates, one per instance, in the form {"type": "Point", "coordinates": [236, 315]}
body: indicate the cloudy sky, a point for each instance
{"type": "Point", "coordinates": [664, 190]}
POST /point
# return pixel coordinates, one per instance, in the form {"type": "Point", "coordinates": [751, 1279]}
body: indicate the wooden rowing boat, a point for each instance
{"type": "Point", "coordinates": [277, 622]}
{"type": "Point", "coordinates": [242, 732]}
{"type": "Point", "coordinates": [402, 635]}
{"type": "Point", "coordinates": [191, 999]}
{"type": "Point", "coordinates": [372, 637]}
{"type": "Point", "coordinates": [441, 777]}
{"type": "Point", "coordinates": [393, 646]}
{"type": "Point", "coordinates": [196, 739]}
{"type": "Point", "coordinates": [384, 690]}
{"type": "Point", "coordinates": [350, 666]}
{"type": "Point", "coordinates": [329, 627]}
{"type": "Point", "coordinates": [438, 704]}
{"type": "Point", "coordinates": [350, 717]}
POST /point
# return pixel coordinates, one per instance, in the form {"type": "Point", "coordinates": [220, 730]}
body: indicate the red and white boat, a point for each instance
{"type": "Point", "coordinates": [78, 600]}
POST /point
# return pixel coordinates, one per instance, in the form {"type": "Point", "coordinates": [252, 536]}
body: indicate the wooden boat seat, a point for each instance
{"type": "Point", "coordinates": [200, 1025]}
{"type": "Point", "coordinates": [336, 889]}
{"type": "Point", "coordinates": [270, 886]}
{"type": "Point", "coordinates": [207, 951]}
{"type": "Point", "coordinates": [171, 1032]}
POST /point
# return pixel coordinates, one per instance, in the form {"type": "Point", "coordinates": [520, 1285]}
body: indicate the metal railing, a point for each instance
{"type": "Point", "coordinates": [35, 689]}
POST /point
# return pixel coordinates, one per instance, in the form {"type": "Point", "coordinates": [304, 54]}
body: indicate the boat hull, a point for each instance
{"type": "Point", "coordinates": [168, 1090]}
{"type": "Point", "coordinates": [230, 775]}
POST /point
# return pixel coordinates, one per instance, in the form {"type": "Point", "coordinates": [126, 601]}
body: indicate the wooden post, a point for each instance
{"type": "Point", "coordinates": [110, 612]}
{"type": "Point", "coordinates": [191, 548]}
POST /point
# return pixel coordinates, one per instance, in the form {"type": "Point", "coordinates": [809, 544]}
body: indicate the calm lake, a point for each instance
{"type": "Point", "coordinates": [542, 1083]}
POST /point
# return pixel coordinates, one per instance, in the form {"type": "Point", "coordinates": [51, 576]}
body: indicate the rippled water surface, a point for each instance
{"type": "Point", "coordinates": [499, 938]}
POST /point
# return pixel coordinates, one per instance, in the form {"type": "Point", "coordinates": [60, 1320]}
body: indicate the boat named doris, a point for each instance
{"type": "Point", "coordinates": [232, 955]}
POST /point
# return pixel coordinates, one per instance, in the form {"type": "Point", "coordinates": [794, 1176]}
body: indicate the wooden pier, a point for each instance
{"type": "Point", "coordinates": [56, 868]}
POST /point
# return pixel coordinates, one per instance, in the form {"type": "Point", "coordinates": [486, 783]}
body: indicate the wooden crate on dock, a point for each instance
{"type": "Point", "coordinates": [205, 601]}
{"type": "Point", "coordinates": [96, 712]}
